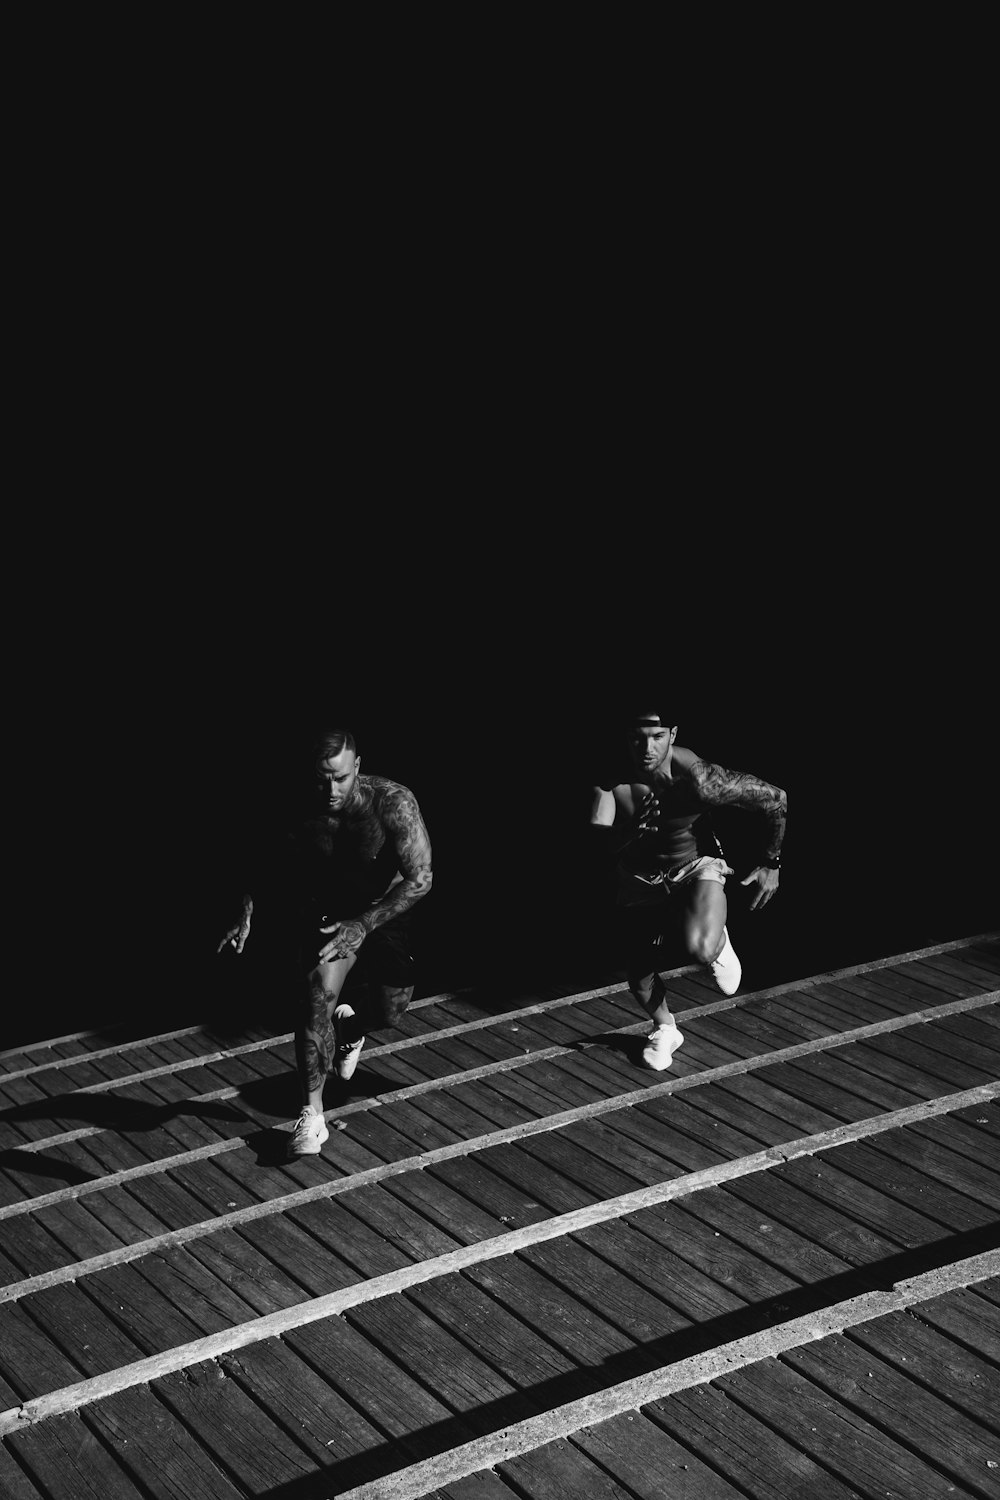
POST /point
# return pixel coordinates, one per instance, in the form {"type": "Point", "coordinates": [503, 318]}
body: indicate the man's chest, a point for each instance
{"type": "Point", "coordinates": [668, 801]}
{"type": "Point", "coordinates": [357, 841]}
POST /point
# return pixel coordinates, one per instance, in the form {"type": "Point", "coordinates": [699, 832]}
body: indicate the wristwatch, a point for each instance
{"type": "Point", "coordinates": [771, 862]}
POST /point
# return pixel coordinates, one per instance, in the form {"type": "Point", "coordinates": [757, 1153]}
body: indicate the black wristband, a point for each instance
{"type": "Point", "coordinates": [771, 862]}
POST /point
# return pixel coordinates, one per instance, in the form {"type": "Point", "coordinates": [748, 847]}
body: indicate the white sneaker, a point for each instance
{"type": "Point", "coordinates": [661, 1045]}
{"type": "Point", "coordinates": [309, 1134]}
{"type": "Point", "coordinates": [727, 971]}
{"type": "Point", "coordinates": [347, 1055]}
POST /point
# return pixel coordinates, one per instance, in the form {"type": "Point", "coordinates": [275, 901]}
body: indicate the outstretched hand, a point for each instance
{"type": "Point", "coordinates": [346, 938]}
{"type": "Point", "coordinates": [236, 937]}
{"type": "Point", "coordinates": [766, 881]}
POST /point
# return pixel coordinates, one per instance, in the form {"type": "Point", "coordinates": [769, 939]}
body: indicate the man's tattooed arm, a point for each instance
{"type": "Point", "coordinates": [718, 787]}
{"type": "Point", "coordinates": [405, 826]}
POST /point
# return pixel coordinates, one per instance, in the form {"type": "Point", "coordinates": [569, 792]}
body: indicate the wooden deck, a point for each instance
{"type": "Point", "coordinates": [524, 1265]}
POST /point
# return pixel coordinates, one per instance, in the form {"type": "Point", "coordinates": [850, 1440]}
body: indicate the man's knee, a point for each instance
{"type": "Point", "coordinates": [704, 942]}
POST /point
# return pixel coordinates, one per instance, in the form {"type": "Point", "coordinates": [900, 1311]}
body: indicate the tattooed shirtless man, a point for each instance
{"type": "Point", "coordinates": [351, 871]}
{"type": "Point", "coordinates": [668, 863]}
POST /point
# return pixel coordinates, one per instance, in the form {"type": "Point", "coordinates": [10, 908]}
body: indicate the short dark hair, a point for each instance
{"type": "Point", "coordinates": [331, 742]}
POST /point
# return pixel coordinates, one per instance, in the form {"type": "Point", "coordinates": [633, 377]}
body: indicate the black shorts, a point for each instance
{"type": "Point", "coordinates": [642, 937]}
{"type": "Point", "coordinates": [385, 956]}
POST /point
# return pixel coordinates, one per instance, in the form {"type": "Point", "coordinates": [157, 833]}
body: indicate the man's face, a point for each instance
{"type": "Point", "coordinates": [335, 778]}
{"type": "Point", "coordinates": [650, 745]}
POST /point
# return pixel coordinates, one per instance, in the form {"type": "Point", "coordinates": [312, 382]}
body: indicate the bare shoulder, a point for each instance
{"type": "Point", "coordinates": [391, 799]}
{"type": "Point", "coordinates": [684, 760]}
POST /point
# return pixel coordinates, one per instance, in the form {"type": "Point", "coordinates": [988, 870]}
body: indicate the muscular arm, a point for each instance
{"type": "Point", "coordinates": [718, 787]}
{"type": "Point", "coordinates": [405, 827]}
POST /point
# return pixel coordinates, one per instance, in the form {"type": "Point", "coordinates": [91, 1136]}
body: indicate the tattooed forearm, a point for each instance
{"type": "Point", "coordinates": [718, 787]}
{"type": "Point", "coordinates": [405, 826]}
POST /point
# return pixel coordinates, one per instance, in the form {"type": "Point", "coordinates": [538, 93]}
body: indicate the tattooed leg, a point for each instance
{"type": "Point", "coordinates": [705, 920]}
{"type": "Point", "coordinates": [314, 1039]}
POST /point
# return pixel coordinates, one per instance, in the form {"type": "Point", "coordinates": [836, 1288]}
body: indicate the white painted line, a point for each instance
{"type": "Point", "coordinates": [287, 1319]}
{"type": "Point", "coordinates": [674, 1187]}
{"type": "Point", "coordinates": [433, 1474]}
{"type": "Point", "coordinates": [165, 1036]}
{"type": "Point", "coordinates": [826, 978]}
{"type": "Point", "coordinates": [530, 1127]}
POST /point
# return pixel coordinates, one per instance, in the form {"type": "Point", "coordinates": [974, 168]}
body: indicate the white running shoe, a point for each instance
{"type": "Point", "coordinates": [348, 1054]}
{"type": "Point", "coordinates": [309, 1134]}
{"type": "Point", "coordinates": [727, 971]}
{"type": "Point", "coordinates": [661, 1045]}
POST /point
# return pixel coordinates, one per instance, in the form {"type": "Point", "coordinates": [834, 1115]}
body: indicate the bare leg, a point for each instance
{"type": "Point", "coordinates": [648, 990]}
{"type": "Point", "coordinates": [705, 920]}
{"type": "Point", "coordinates": [314, 1040]}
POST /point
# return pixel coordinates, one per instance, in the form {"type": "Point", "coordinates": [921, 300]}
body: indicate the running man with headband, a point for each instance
{"type": "Point", "coordinates": [655, 826]}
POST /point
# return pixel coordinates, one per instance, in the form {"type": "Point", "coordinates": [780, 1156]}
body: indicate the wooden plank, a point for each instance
{"type": "Point", "coordinates": [614, 1296]}
{"type": "Point", "coordinates": [726, 1261]}
{"type": "Point", "coordinates": [858, 1453]}
{"type": "Point", "coordinates": [303, 1243]}
{"type": "Point", "coordinates": [262, 1284]}
{"type": "Point", "coordinates": [582, 1333]}
{"type": "Point", "coordinates": [30, 1363]}
{"type": "Point", "coordinates": [890, 1174]}
{"type": "Point", "coordinates": [967, 1319]}
{"type": "Point", "coordinates": [550, 1188]}
{"type": "Point", "coordinates": [344, 1445]}
{"type": "Point", "coordinates": [938, 1363]}
{"type": "Point", "coordinates": [68, 1462]}
{"type": "Point", "coordinates": [821, 1087]}
{"type": "Point", "coordinates": [677, 1147]}
{"type": "Point", "coordinates": [417, 1422]}
{"type": "Point", "coordinates": [646, 1459]}
{"type": "Point", "coordinates": [754, 1456]}
{"type": "Point", "coordinates": [82, 1328]}
{"type": "Point", "coordinates": [977, 1029]}
{"type": "Point", "coordinates": [576, 1164]}
{"type": "Point", "coordinates": [157, 1451]}
{"type": "Point", "coordinates": [155, 1321]}
{"type": "Point", "coordinates": [397, 1224]}
{"type": "Point", "coordinates": [942, 1036]}
{"type": "Point", "coordinates": [836, 1232]}
{"type": "Point", "coordinates": [895, 1065]}
{"type": "Point", "coordinates": [676, 1113]}
{"type": "Point", "coordinates": [908, 1412]}
{"type": "Point", "coordinates": [560, 1471]}
{"type": "Point", "coordinates": [444, 1207]}
{"type": "Point", "coordinates": [237, 1433]}
{"type": "Point", "coordinates": [486, 1485]}
{"type": "Point", "coordinates": [208, 1301]}
{"type": "Point", "coordinates": [14, 1482]}
{"type": "Point", "coordinates": [803, 1115]}
{"type": "Point", "coordinates": [976, 1181]}
{"type": "Point", "coordinates": [603, 1139]}
{"type": "Point", "coordinates": [962, 975]}
{"type": "Point", "coordinates": [488, 1331]}
{"type": "Point", "coordinates": [646, 1259]}
{"type": "Point", "coordinates": [911, 994]}
{"type": "Point", "coordinates": [742, 1115]}
{"type": "Point", "coordinates": [866, 1206]}
{"type": "Point", "coordinates": [491, 1192]}
{"type": "Point", "coordinates": [473, 1389]}
{"type": "Point", "coordinates": [789, 1250]}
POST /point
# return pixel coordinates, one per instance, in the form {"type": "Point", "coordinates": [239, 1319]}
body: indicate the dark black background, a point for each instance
{"type": "Point", "coordinates": [457, 485]}
{"type": "Point", "coordinates": [478, 651]}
